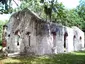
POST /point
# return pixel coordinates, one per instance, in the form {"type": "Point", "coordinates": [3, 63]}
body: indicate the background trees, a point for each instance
{"type": "Point", "coordinates": [1, 29]}
{"type": "Point", "coordinates": [81, 12]}
{"type": "Point", "coordinates": [5, 6]}
{"type": "Point", "coordinates": [56, 12]}
{"type": "Point", "coordinates": [50, 10]}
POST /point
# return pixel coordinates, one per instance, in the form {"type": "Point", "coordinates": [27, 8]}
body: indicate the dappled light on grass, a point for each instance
{"type": "Point", "coordinates": [10, 60]}
{"type": "Point", "coordinates": [67, 58]}
{"type": "Point", "coordinates": [79, 53]}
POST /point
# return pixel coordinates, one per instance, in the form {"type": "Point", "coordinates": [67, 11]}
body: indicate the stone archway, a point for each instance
{"type": "Point", "coordinates": [17, 42]}
{"type": "Point", "coordinates": [28, 38]}
{"type": "Point", "coordinates": [65, 38]}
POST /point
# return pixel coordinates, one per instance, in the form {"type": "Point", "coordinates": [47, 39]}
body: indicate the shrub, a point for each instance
{"type": "Point", "coordinates": [0, 42]}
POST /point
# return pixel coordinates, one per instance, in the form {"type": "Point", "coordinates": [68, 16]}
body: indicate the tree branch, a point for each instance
{"type": "Point", "coordinates": [15, 3]}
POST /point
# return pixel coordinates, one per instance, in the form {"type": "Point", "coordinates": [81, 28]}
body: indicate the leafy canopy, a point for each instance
{"type": "Point", "coordinates": [50, 10]}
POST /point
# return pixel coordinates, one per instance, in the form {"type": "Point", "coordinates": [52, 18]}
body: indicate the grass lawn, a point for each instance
{"type": "Point", "coordinates": [0, 47]}
{"type": "Point", "coordinates": [70, 58]}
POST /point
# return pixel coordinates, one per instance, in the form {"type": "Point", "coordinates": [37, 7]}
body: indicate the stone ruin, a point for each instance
{"type": "Point", "coordinates": [26, 33]}
{"type": "Point", "coordinates": [78, 39]}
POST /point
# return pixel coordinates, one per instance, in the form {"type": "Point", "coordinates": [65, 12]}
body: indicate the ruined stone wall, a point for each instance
{"type": "Point", "coordinates": [69, 39]}
{"type": "Point", "coordinates": [50, 38]}
{"type": "Point", "coordinates": [10, 35]}
{"type": "Point", "coordinates": [20, 22]}
{"type": "Point", "coordinates": [31, 35]}
{"type": "Point", "coordinates": [44, 38]}
{"type": "Point", "coordinates": [78, 39]}
{"type": "Point", "coordinates": [58, 38]}
{"type": "Point", "coordinates": [25, 28]}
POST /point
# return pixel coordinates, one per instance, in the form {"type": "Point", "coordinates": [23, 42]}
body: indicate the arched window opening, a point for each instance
{"type": "Point", "coordinates": [17, 43]}
{"type": "Point", "coordinates": [29, 37]}
{"type": "Point", "coordinates": [29, 40]}
{"type": "Point", "coordinates": [80, 38]}
{"type": "Point", "coordinates": [65, 36]}
{"type": "Point", "coordinates": [74, 36]}
{"type": "Point", "coordinates": [9, 35]}
{"type": "Point", "coordinates": [27, 33]}
{"type": "Point", "coordinates": [54, 34]}
{"type": "Point", "coordinates": [17, 33]}
{"type": "Point", "coordinates": [8, 47]}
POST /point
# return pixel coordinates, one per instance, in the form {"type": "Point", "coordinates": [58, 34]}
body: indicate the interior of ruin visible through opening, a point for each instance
{"type": "Point", "coordinates": [65, 41]}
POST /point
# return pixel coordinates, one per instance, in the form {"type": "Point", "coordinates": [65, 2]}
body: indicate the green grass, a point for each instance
{"type": "Point", "coordinates": [70, 58]}
{"type": "Point", "coordinates": [0, 47]}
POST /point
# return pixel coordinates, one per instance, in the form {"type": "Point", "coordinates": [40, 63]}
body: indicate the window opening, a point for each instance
{"type": "Point", "coordinates": [29, 37]}
{"type": "Point", "coordinates": [80, 37]}
{"type": "Point", "coordinates": [65, 36]}
{"type": "Point", "coordinates": [74, 36]}
{"type": "Point", "coordinates": [29, 40]}
{"type": "Point", "coordinates": [9, 35]}
{"type": "Point", "coordinates": [54, 35]}
{"type": "Point", "coordinates": [18, 37]}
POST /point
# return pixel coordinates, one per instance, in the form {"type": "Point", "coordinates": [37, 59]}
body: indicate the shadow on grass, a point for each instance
{"type": "Point", "coordinates": [2, 57]}
{"type": "Point", "coordinates": [50, 59]}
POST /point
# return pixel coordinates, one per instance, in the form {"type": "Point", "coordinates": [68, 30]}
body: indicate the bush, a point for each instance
{"type": "Point", "coordinates": [0, 42]}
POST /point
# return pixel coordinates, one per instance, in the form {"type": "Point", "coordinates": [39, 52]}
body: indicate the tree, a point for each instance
{"type": "Point", "coordinates": [45, 9]}
{"type": "Point", "coordinates": [74, 19]}
{"type": "Point", "coordinates": [81, 12]}
{"type": "Point", "coordinates": [5, 6]}
{"type": "Point", "coordinates": [54, 11]}
{"type": "Point", "coordinates": [1, 29]}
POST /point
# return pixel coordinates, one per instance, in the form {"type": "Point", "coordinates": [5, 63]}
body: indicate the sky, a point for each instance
{"type": "Point", "coordinates": [4, 17]}
{"type": "Point", "coordinates": [14, 4]}
{"type": "Point", "coordinates": [69, 4]}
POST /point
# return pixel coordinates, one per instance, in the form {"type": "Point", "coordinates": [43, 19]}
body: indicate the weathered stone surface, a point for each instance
{"type": "Point", "coordinates": [78, 38]}
{"type": "Point", "coordinates": [31, 35]}
{"type": "Point", "coordinates": [58, 38]}
{"type": "Point", "coordinates": [69, 39]}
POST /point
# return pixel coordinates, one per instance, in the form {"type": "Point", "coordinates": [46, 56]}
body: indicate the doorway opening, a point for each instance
{"type": "Point", "coordinates": [65, 38]}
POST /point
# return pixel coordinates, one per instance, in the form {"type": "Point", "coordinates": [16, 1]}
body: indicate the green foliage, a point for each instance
{"type": "Point", "coordinates": [5, 7]}
{"type": "Point", "coordinates": [1, 29]}
{"type": "Point", "coordinates": [0, 42]}
{"type": "Point", "coordinates": [53, 11]}
{"type": "Point", "coordinates": [44, 9]}
{"type": "Point", "coordinates": [73, 18]}
{"type": "Point", "coordinates": [56, 12]}
{"type": "Point", "coordinates": [81, 12]}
